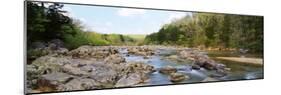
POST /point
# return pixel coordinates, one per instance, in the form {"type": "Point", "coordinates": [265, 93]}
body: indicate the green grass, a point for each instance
{"type": "Point", "coordinates": [137, 36]}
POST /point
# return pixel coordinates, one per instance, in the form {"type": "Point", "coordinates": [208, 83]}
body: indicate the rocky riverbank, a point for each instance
{"type": "Point", "coordinates": [55, 68]}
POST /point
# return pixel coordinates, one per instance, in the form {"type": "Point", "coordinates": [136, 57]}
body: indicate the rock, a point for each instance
{"type": "Point", "coordinates": [146, 57]}
{"type": "Point", "coordinates": [210, 65]}
{"type": "Point", "coordinates": [56, 43]}
{"type": "Point", "coordinates": [196, 67]}
{"type": "Point", "coordinates": [139, 67]}
{"type": "Point", "coordinates": [38, 45]}
{"type": "Point", "coordinates": [209, 79]}
{"type": "Point", "coordinates": [33, 75]}
{"type": "Point", "coordinates": [50, 82]}
{"type": "Point", "coordinates": [86, 67]}
{"type": "Point", "coordinates": [105, 73]}
{"type": "Point", "coordinates": [74, 70]}
{"type": "Point", "coordinates": [79, 84]}
{"type": "Point", "coordinates": [134, 73]}
{"type": "Point", "coordinates": [142, 51]}
{"type": "Point", "coordinates": [187, 54]}
{"type": "Point", "coordinates": [57, 78]}
{"type": "Point", "coordinates": [220, 66]}
{"type": "Point", "coordinates": [49, 64]}
{"type": "Point", "coordinates": [168, 70]}
{"type": "Point", "coordinates": [54, 47]}
{"type": "Point", "coordinates": [92, 52]}
{"type": "Point", "coordinates": [174, 58]}
{"type": "Point", "coordinates": [178, 77]}
{"type": "Point", "coordinates": [129, 80]}
{"type": "Point", "coordinates": [115, 59]}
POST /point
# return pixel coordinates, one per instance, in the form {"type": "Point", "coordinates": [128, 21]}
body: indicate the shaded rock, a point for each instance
{"type": "Point", "coordinates": [210, 65]}
{"type": "Point", "coordinates": [38, 45]}
{"type": "Point", "coordinates": [79, 84]}
{"type": "Point", "coordinates": [38, 49]}
{"type": "Point", "coordinates": [196, 67]}
{"type": "Point", "coordinates": [50, 82]}
{"type": "Point", "coordinates": [178, 77]}
{"type": "Point", "coordinates": [168, 70]}
{"type": "Point", "coordinates": [56, 43]}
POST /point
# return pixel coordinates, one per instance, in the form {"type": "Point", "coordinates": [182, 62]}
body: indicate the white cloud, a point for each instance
{"type": "Point", "coordinates": [68, 13]}
{"type": "Point", "coordinates": [67, 8]}
{"type": "Point", "coordinates": [175, 16]}
{"type": "Point", "coordinates": [130, 12]}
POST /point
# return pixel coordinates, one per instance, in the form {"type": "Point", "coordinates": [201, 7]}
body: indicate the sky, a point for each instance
{"type": "Point", "coordinates": [115, 20]}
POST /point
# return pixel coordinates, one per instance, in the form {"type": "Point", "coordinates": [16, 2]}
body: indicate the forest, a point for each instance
{"type": "Point", "coordinates": [212, 30]}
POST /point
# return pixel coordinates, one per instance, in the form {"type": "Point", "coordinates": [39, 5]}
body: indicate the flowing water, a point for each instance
{"type": "Point", "coordinates": [238, 70]}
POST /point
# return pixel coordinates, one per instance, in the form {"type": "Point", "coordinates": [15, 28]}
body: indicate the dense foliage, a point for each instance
{"type": "Point", "coordinates": [47, 23]}
{"type": "Point", "coordinates": [212, 30]}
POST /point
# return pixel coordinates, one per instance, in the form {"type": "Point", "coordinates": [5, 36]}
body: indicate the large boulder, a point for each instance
{"type": "Point", "coordinates": [188, 54]}
{"type": "Point", "coordinates": [92, 52]}
{"type": "Point", "coordinates": [49, 64]}
{"type": "Point", "coordinates": [168, 70]}
{"type": "Point", "coordinates": [66, 82]}
{"type": "Point", "coordinates": [139, 67]}
{"type": "Point", "coordinates": [178, 77]}
{"type": "Point", "coordinates": [114, 59]}
{"type": "Point", "coordinates": [134, 73]}
{"type": "Point", "coordinates": [130, 80]}
{"type": "Point", "coordinates": [142, 51]}
{"type": "Point", "coordinates": [53, 47]}
{"type": "Point", "coordinates": [105, 73]}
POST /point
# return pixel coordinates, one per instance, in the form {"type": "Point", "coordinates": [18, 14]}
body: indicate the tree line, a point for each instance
{"type": "Point", "coordinates": [212, 30]}
{"type": "Point", "coordinates": [48, 23]}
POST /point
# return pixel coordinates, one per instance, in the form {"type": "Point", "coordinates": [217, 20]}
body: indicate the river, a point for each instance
{"type": "Point", "coordinates": [239, 71]}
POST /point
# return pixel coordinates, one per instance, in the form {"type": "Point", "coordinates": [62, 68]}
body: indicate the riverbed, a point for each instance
{"type": "Point", "coordinates": [239, 70]}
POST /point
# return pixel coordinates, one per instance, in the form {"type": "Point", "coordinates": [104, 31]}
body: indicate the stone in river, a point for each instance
{"type": "Point", "coordinates": [178, 77]}
{"type": "Point", "coordinates": [168, 70]}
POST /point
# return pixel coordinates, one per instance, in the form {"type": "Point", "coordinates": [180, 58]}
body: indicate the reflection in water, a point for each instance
{"type": "Point", "coordinates": [238, 70]}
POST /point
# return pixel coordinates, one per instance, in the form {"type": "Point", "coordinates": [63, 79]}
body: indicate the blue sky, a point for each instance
{"type": "Point", "coordinates": [121, 20]}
